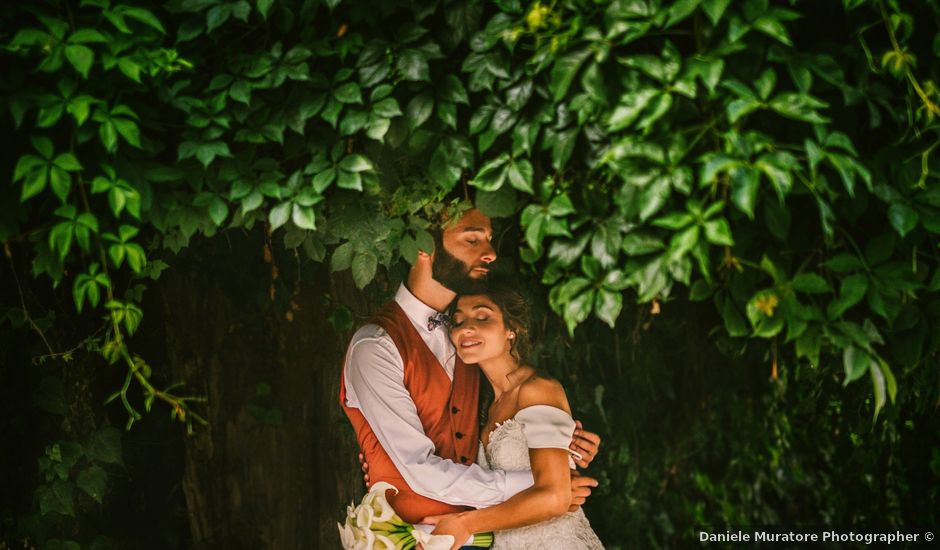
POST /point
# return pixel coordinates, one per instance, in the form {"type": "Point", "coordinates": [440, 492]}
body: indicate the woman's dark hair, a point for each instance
{"type": "Point", "coordinates": [513, 304]}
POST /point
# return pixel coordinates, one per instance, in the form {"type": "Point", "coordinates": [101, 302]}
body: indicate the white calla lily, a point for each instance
{"type": "Point", "coordinates": [365, 539]}
{"type": "Point", "coordinates": [364, 516]}
{"type": "Point", "coordinates": [346, 536]}
{"type": "Point", "coordinates": [384, 543]}
{"type": "Point", "coordinates": [374, 525]}
{"type": "Point", "coordinates": [382, 510]}
{"type": "Point", "coordinates": [432, 542]}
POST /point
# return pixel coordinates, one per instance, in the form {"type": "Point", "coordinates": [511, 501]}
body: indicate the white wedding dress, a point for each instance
{"type": "Point", "coordinates": [539, 426]}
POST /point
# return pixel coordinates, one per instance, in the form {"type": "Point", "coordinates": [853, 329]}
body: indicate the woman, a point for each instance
{"type": "Point", "coordinates": [527, 425]}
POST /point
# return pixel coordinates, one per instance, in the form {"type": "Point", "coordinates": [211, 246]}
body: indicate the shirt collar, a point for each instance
{"type": "Point", "coordinates": [416, 310]}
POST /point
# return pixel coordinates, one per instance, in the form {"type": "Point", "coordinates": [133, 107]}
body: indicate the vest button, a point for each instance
{"type": "Point", "coordinates": [454, 410]}
{"type": "Point", "coordinates": [463, 459]}
{"type": "Point", "coordinates": [459, 435]}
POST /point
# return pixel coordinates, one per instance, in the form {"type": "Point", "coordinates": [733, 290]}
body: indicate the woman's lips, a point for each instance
{"type": "Point", "coordinates": [469, 343]}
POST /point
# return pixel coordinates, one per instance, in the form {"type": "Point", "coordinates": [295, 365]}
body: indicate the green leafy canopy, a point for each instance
{"type": "Point", "coordinates": [647, 151]}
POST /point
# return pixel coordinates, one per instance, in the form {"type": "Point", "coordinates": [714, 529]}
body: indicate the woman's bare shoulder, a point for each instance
{"type": "Point", "coordinates": [539, 389]}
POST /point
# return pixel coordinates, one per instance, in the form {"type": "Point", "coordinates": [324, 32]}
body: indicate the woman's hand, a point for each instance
{"type": "Point", "coordinates": [450, 524]}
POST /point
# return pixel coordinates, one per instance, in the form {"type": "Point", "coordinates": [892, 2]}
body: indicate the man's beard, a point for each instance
{"type": "Point", "coordinates": [454, 274]}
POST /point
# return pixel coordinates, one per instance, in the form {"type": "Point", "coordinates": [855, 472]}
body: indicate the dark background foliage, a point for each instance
{"type": "Point", "coordinates": [727, 213]}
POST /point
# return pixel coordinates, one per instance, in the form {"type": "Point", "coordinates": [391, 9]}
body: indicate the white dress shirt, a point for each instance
{"type": "Point", "coordinates": [374, 375]}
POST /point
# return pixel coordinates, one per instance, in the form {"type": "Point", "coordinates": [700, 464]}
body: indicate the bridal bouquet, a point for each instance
{"type": "Point", "coordinates": [374, 525]}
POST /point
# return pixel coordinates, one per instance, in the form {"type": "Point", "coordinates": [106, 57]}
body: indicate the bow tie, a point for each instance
{"type": "Point", "coordinates": [437, 320]}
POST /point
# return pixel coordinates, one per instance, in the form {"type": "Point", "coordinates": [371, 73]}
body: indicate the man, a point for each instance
{"type": "Point", "coordinates": [413, 403]}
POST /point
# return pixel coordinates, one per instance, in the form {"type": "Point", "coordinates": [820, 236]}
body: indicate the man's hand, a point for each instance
{"type": "Point", "coordinates": [365, 470]}
{"type": "Point", "coordinates": [580, 489]}
{"type": "Point", "coordinates": [586, 443]}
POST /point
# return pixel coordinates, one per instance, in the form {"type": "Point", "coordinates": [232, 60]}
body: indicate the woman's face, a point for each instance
{"type": "Point", "coordinates": [478, 331]}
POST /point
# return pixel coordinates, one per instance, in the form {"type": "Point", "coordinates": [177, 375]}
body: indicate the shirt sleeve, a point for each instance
{"type": "Point", "coordinates": [375, 375]}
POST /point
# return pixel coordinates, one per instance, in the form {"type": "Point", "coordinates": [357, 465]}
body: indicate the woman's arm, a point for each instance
{"type": "Point", "coordinates": [549, 496]}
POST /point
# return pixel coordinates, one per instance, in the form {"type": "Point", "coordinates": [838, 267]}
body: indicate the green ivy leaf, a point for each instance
{"type": "Point", "coordinates": [107, 132]}
{"type": "Point", "coordinates": [387, 108]}
{"type": "Point", "coordinates": [852, 290]}
{"type": "Point", "coordinates": [279, 214]}
{"type": "Point", "coordinates": [363, 268]}
{"type": "Point", "coordinates": [408, 248]}
{"type": "Point", "coordinates": [564, 71]}
{"type": "Point", "coordinates": [629, 108]}
{"type": "Point", "coordinates": [447, 113]}
{"type": "Point", "coordinates": [714, 9]}
{"type": "Point", "coordinates": [144, 16]}
{"type": "Point", "coordinates": [217, 16]}
{"type": "Point", "coordinates": [323, 179]}
{"type": "Point", "coordinates": [419, 109]}
{"type": "Point", "coordinates": [520, 175]}
{"type": "Point", "coordinates": [773, 28]}
{"type": "Point", "coordinates": [799, 106]}
{"type": "Point", "coordinates": [810, 283]}
{"type": "Point", "coordinates": [855, 362]}
{"type": "Point", "coordinates": [452, 89]}
{"type": "Point", "coordinates": [607, 306]}
{"type": "Point", "coordinates": [57, 498]}
{"type": "Point", "coordinates": [44, 146]}
{"type": "Point", "coordinates": [251, 202]}
{"type": "Point", "coordinates": [342, 257]}
{"type": "Point", "coordinates": [577, 310]}
{"type": "Point", "coordinates": [81, 57]}
{"type": "Point", "coordinates": [348, 93]}
{"type": "Point", "coordinates": [349, 180]}
{"type": "Point", "coordinates": [718, 232]}
{"type": "Point", "coordinates": [67, 161]}
{"type": "Point", "coordinates": [61, 182]}
{"type": "Point", "coordinates": [637, 244]}
{"type": "Point", "coordinates": [903, 218]}
{"type": "Point", "coordinates": [87, 36]}
{"type": "Point", "coordinates": [492, 175]}
{"type": "Point", "coordinates": [442, 167]}
{"type": "Point", "coordinates": [304, 217]}
{"type": "Point", "coordinates": [355, 163]}
{"type": "Point", "coordinates": [497, 204]}
{"type": "Point", "coordinates": [34, 183]}
{"type": "Point", "coordinates": [105, 446]}
{"type": "Point", "coordinates": [264, 7]}
{"type": "Point", "coordinates": [94, 481]}
{"type": "Point", "coordinates": [734, 321]}
{"type": "Point", "coordinates": [413, 65]}
{"type": "Point", "coordinates": [844, 262]}
{"type": "Point", "coordinates": [744, 184]}
{"type": "Point", "coordinates": [218, 211]}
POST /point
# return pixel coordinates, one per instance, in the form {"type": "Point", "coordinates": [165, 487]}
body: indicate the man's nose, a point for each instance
{"type": "Point", "coordinates": [489, 254]}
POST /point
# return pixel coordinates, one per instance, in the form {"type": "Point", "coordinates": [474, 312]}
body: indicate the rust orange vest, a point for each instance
{"type": "Point", "coordinates": [448, 413]}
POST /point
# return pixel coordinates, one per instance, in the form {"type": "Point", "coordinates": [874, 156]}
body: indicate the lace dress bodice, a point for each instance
{"type": "Point", "coordinates": [508, 450]}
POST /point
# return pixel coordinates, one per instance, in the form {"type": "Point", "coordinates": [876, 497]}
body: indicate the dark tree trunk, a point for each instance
{"type": "Point", "coordinates": [277, 464]}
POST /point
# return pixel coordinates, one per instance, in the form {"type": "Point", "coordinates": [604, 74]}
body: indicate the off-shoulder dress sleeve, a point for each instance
{"type": "Point", "coordinates": [546, 427]}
